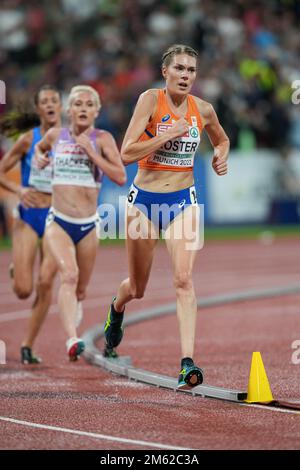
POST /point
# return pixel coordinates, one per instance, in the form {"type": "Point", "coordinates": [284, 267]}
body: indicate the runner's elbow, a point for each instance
{"type": "Point", "coordinates": [125, 158]}
{"type": "Point", "coordinates": [128, 153]}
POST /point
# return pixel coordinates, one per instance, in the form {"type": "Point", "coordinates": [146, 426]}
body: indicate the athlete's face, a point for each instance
{"type": "Point", "coordinates": [180, 74]}
{"type": "Point", "coordinates": [83, 110]}
{"type": "Point", "coordinates": [49, 107]}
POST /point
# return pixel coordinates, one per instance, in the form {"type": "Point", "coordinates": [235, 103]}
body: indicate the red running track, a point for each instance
{"type": "Point", "coordinates": [79, 406]}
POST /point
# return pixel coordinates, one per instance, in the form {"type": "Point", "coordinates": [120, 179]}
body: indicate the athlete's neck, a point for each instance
{"type": "Point", "coordinates": [77, 130]}
{"type": "Point", "coordinates": [177, 102]}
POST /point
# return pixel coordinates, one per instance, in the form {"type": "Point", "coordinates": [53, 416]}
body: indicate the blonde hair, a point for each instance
{"type": "Point", "coordinates": [176, 49]}
{"type": "Point", "coordinates": [81, 89]}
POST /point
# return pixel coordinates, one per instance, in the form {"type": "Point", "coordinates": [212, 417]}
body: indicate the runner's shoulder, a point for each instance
{"type": "Point", "coordinates": [25, 140]}
{"type": "Point", "coordinates": [205, 109]}
{"type": "Point", "coordinates": [149, 95]}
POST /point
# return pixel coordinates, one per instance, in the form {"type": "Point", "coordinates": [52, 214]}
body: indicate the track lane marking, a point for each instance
{"type": "Point", "coordinates": [270, 408]}
{"type": "Point", "coordinates": [92, 434]}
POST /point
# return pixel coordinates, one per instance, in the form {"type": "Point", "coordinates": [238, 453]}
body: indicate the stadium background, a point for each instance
{"type": "Point", "coordinates": [249, 57]}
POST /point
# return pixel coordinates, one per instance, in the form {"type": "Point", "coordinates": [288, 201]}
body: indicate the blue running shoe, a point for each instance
{"type": "Point", "coordinates": [190, 377]}
{"type": "Point", "coordinates": [113, 330]}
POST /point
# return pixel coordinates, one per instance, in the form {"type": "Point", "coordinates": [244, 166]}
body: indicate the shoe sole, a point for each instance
{"type": "Point", "coordinates": [192, 379]}
{"type": "Point", "coordinates": [25, 362]}
{"type": "Point", "coordinates": [29, 363]}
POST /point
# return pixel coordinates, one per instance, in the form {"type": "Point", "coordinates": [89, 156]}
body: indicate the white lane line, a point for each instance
{"type": "Point", "coordinates": [270, 408]}
{"type": "Point", "coordinates": [92, 434]}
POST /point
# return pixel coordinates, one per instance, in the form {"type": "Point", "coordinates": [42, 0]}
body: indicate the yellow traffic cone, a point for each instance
{"type": "Point", "coordinates": [259, 390]}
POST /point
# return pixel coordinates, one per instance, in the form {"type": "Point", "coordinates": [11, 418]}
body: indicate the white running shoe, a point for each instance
{"type": "Point", "coordinates": [75, 346]}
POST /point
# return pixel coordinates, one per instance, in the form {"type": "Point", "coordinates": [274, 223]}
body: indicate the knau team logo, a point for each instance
{"type": "Point", "coordinates": [194, 132]}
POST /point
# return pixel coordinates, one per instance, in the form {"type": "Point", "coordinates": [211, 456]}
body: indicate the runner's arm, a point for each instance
{"type": "Point", "coordinates": [43, 147]}
{"type": "Point", "coordinates": [11, 158]}
{"type": "Point", "coordinates": [218, 139]}
{"type": "Point", "coordinates": [108, 159]}
{"type": "Point", "coordinates": [132, 150]}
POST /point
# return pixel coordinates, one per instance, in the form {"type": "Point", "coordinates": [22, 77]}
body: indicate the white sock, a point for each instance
{"type": "Point", "coordinates": [71, 341]}
{"type": "Point", "coordinates": [79, 314]}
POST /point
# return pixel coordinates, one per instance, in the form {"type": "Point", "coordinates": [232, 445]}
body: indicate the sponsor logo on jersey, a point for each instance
{"type": "Point", "coordinates": [194, 132]}
{"type": "Point", "coordinates": [85, 227]}
{"type": "Point", "coordinates": [161, 128]}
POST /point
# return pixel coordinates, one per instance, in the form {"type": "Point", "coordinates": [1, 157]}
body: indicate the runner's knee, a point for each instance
{"type": "Point", "coordinates": [183, 281]}
{"type": "Point", "coordinates": [44, 283]}
{"type": "Point", "coordinates": [23, 291]}
{"type": "Point", "coordinates": [70, 276]}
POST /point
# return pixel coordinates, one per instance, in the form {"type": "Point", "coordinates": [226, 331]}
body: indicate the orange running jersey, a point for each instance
{"type": "Point", "coordinates": [176, 154]}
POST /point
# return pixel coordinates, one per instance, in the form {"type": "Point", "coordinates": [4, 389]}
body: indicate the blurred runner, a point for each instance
{"type": "Point", "coordinates": [82, 154]}
{"type": "Point", "coordinates": [35, 198]}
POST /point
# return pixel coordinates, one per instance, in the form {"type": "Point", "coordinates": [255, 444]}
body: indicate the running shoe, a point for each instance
{"type": "Point", "coordinates": [190, 377]}
{"type": "Point", "coordinates": [75, 346]}
{"type": "Point", "coordinates": [27, 357]}
{"type": "Point", "coordinates": [110, 353]}
{"type": "Point", "coordinates": [113, 329]}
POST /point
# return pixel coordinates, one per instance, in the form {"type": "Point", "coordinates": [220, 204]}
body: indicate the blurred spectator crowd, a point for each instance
{"type": "Point", "coordinates": [249, 55]}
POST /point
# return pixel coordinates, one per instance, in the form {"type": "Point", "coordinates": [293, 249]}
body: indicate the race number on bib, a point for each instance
{"type": "Point", "coordinates": [132, 195]}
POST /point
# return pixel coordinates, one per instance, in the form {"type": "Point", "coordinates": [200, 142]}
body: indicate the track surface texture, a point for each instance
{"type": "Point", "coordinates": [79, 406]}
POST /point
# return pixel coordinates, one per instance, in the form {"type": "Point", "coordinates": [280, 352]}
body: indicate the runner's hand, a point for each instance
{"type": "Point", "coordinates": [84, 141]}
{"type": "Point", "coordinates": [179, 128]}
{"type": "Point", "coordinates": [41, 158]}
{"type": "Point", "coordinates": [28, 197]}
{"type": "Point", "coordinates": [219, 163]}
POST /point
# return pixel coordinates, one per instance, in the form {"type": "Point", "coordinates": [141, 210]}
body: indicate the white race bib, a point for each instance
{"type": "Point", "coordinates": [72, 166]}
{"type": "Point", "coordinates": [178, 152]}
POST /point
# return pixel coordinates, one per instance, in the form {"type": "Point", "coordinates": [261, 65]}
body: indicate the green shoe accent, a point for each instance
{"type": "Point", "coordinates": [107, 323]}
{"type": "Point", "coordinates": [27, 357]}
{"type": "Point", "coordinates": [110, 353]}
